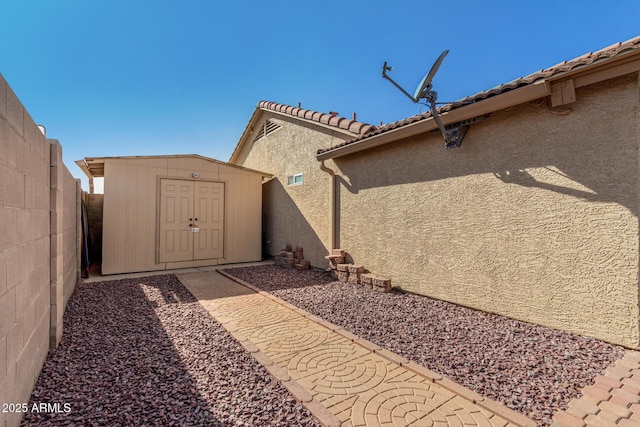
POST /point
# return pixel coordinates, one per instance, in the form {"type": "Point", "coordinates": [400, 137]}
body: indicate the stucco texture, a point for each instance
{"type": "Point", "coordinates": [535, 217]}
{"type": "Point", "coordinates": [298, 215]}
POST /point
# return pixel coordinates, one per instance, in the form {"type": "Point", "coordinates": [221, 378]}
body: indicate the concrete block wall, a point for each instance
{"type": "Point", "coordinates": [25, 249]}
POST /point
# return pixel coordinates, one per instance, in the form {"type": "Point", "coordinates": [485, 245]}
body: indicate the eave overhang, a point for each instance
{"type": "Point", "coordinates": [559, 87]}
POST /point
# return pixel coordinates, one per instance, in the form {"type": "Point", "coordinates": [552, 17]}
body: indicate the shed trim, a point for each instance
{"type": "Point", "coordinates": [93, 167]}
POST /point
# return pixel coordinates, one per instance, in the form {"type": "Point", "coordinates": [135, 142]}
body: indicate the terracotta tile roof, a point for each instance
{"type": "Point", "coordinates": [324, 118]}
{"type": "Point", "coordinates": [563, 67]}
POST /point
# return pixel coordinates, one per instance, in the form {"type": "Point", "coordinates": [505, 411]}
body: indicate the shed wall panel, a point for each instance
{"type": "Point", "coordinates": [243, 218]}
{"type": "Point", "coordinates": [132, 207]}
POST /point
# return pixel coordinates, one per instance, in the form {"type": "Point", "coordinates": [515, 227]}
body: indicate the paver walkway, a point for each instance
{"type": "Point", "coordinates": [613, 399]}
{"type": "Point", "coordinates": [342, 379]}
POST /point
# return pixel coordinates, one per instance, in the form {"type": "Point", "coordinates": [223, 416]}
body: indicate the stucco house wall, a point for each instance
{"type": "Point", "coordinates": [535, 217]}
{"type": "Point", "coordinates": [298, 215]}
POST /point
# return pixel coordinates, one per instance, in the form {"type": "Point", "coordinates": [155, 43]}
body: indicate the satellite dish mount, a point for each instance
{"type": "Point", "coordinates": [453, 135]}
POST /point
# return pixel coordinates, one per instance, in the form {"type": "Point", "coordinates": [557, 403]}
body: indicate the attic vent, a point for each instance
{"type": "Point", "coordinates": [267, 128]}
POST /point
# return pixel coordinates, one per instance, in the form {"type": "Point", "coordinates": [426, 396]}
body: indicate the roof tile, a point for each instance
{"type": "Point", "coordinates": [327, 119]}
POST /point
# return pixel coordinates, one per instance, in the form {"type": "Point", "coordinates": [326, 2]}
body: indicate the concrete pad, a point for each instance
{"type": "Point", "coordinates": [174, 271]}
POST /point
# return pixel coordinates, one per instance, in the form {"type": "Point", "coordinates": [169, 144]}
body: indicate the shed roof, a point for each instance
{"type": "Point", "coordinates": [537, 85]}
{"type": "Point", "coordinates": [93, 167]}
{"type": "Point", "coordinates": [351, 128]}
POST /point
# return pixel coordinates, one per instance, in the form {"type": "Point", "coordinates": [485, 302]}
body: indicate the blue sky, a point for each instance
{"type": "Point", "coordinates": [141, 77]}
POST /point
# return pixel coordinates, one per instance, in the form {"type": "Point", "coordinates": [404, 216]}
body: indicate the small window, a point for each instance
{"type": "Point", "coordinates": [295, 179]}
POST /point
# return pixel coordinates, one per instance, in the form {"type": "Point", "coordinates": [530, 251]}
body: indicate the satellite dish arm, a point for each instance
{"type": "Point", "coordinates": [386, 68]}
{"type": "Point", "coordinates": [455, 134]}
{"type": "Point", "coordinates": [436, 117]}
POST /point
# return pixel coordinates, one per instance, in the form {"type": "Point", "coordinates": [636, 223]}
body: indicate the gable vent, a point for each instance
{"type": "Point", "coordinates": [267, 128]}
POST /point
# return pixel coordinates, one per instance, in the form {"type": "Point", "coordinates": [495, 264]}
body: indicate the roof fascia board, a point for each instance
{"type": "Point", "coordinates": [82, 164]}
{"type": "Point", "coordinates": [499, 102]}
{"type": "Point", "coordinates": [603, 70]}
{"type": "Point", "coordinates": [616, 70]}
{"type": "Point", "coordinates": [245, 134]}
{"type": "Point", "coordinates": [563, 86]}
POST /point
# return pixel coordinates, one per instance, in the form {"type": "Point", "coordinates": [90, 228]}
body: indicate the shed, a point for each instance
{"type": "Point", "coordinates": [176, 211]}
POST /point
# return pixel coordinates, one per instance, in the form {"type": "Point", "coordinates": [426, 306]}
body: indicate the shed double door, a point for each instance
{"type": "Point", "coordinates": [191, 220]}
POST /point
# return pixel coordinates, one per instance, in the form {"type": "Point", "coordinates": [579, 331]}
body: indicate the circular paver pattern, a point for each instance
{"type": "Point", "coordinates": [354, 376]}
{"type": "Point", "coordinates": [402, 404]}
{"type": "Point", "coordinates": [293, 336]}
{"type": "Point", "coordinates": [326, 358]}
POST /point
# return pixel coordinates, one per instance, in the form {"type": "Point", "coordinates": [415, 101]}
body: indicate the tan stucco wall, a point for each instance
{"type": "Point", "coordinates": [535, 217]}
{"type": "Point", "coordinates": [37, 249]}
{"type": "Point", "coordinates": [297, 215]}
{"type": "Point", "coordinates": [130, 211]}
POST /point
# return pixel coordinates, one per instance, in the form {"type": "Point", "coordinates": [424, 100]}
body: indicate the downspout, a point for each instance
{"type": "Point", "coordinates": [332, 204]}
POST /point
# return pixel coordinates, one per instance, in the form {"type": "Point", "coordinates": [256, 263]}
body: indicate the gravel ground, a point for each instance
{"type": "Point", "coordinates": [144, 352]}
{"type": "Point", "coordinates": [529, 368]}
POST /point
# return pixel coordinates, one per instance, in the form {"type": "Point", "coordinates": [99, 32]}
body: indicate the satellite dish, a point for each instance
{"type": "Point", "coordinates": [425, 85]}
{"type": "Point", "coordinates": [452, 137]}
{"type": "Point", "coordinates": [423, 91]}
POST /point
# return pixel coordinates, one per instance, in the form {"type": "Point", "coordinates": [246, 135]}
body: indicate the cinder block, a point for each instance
{"type": "Point", "coordinates": [7, 311]}
{"type": "Point", "coordinates": [8, 392]}
{"type": "Point", "coordinates": [14, 185]}
{"type": "Point", "coordinates": [14, 345]}
{"type": "Point", "coordinates": [302, 265]}
{"type": "Point", "coordinates": [334, 260]}
{"type": "Point", "coordinates": [356, 269]}
{"type": "Point", "coordinates": [15, 272]}
{"type": "Point", "coordinates": [8, 229]}
{"type": "Point", "coordinates": [3, 272]}
{"type": "Point", "coordinates": [15, 111]}
{"type": "Point", "coordinates": [3, 359]}
{"type": "Point", "coordinates": [353, 279]}
{"type": "Point", "coordinates": [343, 267]}
{"type": "Point", "coordinates": [366, 280]}
{"type": "Point", "coordinates": [381, 284]}
{"type": "Point", "coordinates": [343, 276]}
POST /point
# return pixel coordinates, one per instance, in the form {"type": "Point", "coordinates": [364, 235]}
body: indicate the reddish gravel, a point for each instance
{"type": "Point", "coordinates": [531, 369]}
{"type": "Point", "coordinates": [144, 352]}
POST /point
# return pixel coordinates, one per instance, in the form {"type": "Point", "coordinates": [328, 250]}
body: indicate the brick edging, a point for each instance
{"type": "Point", "coordinates": [464, 392]}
